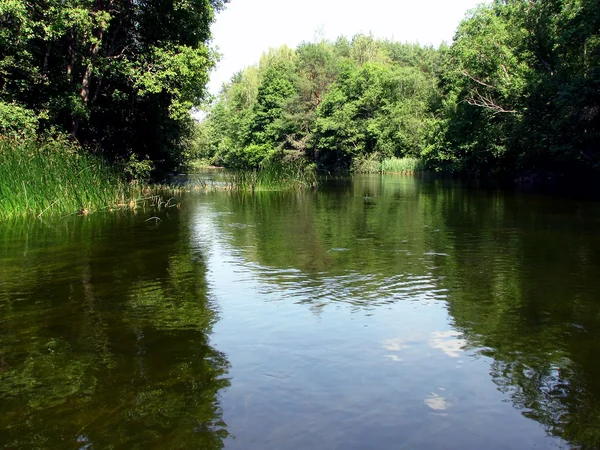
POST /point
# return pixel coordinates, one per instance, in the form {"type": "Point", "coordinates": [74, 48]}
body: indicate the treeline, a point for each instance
{"type": "Point", "coordinates": [119, 76]}
{"type": "Point", "coordinates": [517, 93]}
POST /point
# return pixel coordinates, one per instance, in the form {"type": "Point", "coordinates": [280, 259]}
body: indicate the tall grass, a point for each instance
{"type": "Point", "coordinates": [370, 163]}
{"type": "Point", "coordinates": [402, 165]}
{"type": "Point", "coordinates": [277, 175]}
{"type": "Point", "coordinates": [54, 175]}
{"type": "Point", "coordinates": [373, 164]}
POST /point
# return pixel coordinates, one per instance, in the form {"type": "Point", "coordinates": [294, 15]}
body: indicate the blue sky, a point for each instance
{"type": "Point", "coordinates": [248, 27]}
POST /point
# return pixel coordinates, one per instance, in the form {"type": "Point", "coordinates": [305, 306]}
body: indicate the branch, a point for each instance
{"type": "Point", "coordinates": [476, 80]}
{"type": "Point", "coordinates": [485, 101]}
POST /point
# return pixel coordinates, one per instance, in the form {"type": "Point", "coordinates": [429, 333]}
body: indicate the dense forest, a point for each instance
{"type": "Point", "coordinates": [517, 94]}
{"type": "Point", "coordinates": [119, 76]}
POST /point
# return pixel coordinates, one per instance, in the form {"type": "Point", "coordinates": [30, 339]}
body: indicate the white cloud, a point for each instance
{"type": "Point", "coordinates": [434, 401]}
{"type": "Point", "coordinates": [448, 342]}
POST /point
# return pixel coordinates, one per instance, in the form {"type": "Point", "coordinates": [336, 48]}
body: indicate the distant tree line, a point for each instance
{"type": "Point", "coordinates": [517, 93]}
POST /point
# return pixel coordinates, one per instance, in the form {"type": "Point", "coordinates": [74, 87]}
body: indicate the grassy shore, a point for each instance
{"type": "Point", "coordinates": [54, 176]}
{"type": "Point", "coordinates": [50, 176]}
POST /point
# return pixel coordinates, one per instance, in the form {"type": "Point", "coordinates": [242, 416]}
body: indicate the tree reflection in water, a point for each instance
{"type": "Point", "coordinates": [105, 339]}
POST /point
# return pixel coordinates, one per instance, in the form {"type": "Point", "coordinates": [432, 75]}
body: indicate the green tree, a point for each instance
{"type": "Point", "coordinates": [120, 73]}
{"type": "Point", "coordinates": [374, 108]}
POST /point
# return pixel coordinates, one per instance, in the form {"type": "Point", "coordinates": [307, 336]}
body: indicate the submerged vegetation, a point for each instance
{"type": "Point", "coordinates": [517, 95]}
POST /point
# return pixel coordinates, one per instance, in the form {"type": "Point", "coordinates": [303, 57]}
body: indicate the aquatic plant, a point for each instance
{"type": "Point", "coordinates": [276, 175]}
{"type": "Point", "coordinates": [41, 176]}
{"type": "Point", "coordinates": [373, 164]}
{"type": "Point", "coordinates": [402, 165]}
{"type": "Point", "coordinates": [366, 163]}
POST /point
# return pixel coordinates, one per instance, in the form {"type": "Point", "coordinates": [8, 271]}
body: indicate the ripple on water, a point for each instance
{"type": "Point", "coordinates": [351, 287]}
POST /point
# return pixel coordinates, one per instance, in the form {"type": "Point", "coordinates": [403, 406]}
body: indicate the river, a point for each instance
{"type": "Point", "coordinates": [378, 312]}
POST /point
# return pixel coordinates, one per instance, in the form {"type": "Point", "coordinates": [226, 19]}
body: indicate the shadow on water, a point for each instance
{"type": "Point", "coordinates": [518, 275]}
{"type": "Point", "coordinates": [105, 336]}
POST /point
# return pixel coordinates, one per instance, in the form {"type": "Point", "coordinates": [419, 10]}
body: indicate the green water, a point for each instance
{"type": "Point", "coordinates": [376, 313]}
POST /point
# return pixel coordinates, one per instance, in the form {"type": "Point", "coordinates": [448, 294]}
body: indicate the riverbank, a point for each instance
{"type": "Point", "coordinates": [55, 176]}
{"type": "Point", "coordinates": [45, 176]}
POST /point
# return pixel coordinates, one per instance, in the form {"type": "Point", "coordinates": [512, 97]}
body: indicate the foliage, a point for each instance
{"type": "Point", "coordinates": [138, 170]}
{"type": "Point", "coordinates": [118, 73]}
{"type": "Point", "coordinates": [521, 90]}
{"type": "Point", "coordinates": [517, 93]}
{"type": "Point", "coordinates": [15, 119]}
{"type": "Point", "coordinates": [249, 157]}
{"type": "Point", "coordinates": [331, 101]}
{"type": "Point", "coordinates": [374, 108]}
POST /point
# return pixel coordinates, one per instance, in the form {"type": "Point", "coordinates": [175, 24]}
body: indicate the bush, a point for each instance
{"type": "Point", "coordinates": [16, 119]}
{"type": "Point", "coordinates": [366, 163]}
{"type": "Point", "coordinates": [249, 157]}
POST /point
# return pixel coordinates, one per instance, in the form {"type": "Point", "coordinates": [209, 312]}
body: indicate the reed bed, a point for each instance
{"type": "Point", "coordinates": [55, 176]}
{"type": "Point", "coordinates": [373, 164]}
{"type": "Point", "coordinates": [402, 165]}
{"type": "Point", "coordinates": [50, 176]}
{"type": "Point", "coordinates": [276, 176]}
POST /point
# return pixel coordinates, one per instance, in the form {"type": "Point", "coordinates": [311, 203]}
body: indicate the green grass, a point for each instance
{"type": "Point", "coordinates": [372, 164]}
{"type": "Point", "coordinates": [276, 176]}
{"type": "Point", "coordinates": [55, 176]}
{"type": "Point", "coordinates": [402, 165]}
{"type": "Point", "coordinates": [366, 164]}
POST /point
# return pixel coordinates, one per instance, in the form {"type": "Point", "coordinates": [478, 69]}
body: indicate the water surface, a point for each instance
{"type": "Point", "coordinates": [379, 312]}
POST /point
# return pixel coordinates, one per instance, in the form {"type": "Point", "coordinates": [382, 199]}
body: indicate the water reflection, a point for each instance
{"type": "Point", "coordinates": [105, 337]}
{"type": "Point", "coordinates": [383, 312]}
{"type": "Point", "coordinates": [517, 274]}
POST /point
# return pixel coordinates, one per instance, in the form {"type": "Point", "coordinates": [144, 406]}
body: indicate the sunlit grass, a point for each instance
{"type": "Point", "coordinates": [41, 177]}
{"type": "Point", "coordinates": [275, 176]}
{"type": "Point", "coordinates": [402, 165]}
{"type": "Point", "coordinates": [373, 164]}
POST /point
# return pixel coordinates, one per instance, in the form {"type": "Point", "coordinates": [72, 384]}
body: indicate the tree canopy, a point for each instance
{"type": "Point", "coordinates": [122, 74]}
{"type": "Point", "coordinates": [517, 93]}
{"type": "Point", "coordinates": [325, 101]}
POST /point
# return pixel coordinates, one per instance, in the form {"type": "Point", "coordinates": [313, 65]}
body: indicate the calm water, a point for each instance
{"type": "Point", "coordinates": [378, 313]}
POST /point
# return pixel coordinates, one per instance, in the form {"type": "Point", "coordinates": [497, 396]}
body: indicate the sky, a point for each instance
{"type": "Point", "coordinates": [247, 28]}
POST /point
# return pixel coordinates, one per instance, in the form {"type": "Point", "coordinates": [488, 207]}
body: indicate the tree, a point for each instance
{"type": "Point", "coordinates": [120, 73]}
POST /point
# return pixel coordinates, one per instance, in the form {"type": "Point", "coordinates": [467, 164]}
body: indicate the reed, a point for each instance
{"type": "Point", "coordinates": [276, 176]}
{"type": "Point", "coordinates": [402, 165]}
{"type": "Point", "coordinates": [55, 176]}
{"type": "Point", "coordinates": [373, 164]}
